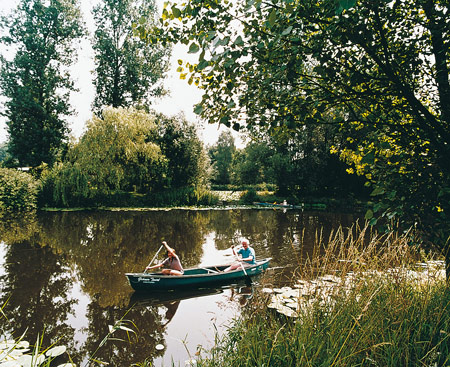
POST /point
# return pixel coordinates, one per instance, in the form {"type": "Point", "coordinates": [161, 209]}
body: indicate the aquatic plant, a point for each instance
{"type": "Point", "coordinates": [18, 353]}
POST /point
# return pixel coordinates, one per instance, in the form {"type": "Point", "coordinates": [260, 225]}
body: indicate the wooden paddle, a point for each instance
{"type": "Point", "coordinates": [154, 257]}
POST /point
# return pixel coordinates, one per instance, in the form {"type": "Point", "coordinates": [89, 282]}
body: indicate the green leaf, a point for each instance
{"type": "Point", "coordinates": [287, 31]}
{"type": "Point", "coordinates": [193, 48]}
{"type": "Point", "coordinates": [198, 109]}
{"type": "Point", "coordinates": [377, 191]}
{"type": "Point", "coordinates": [176, 12]}
{"type": "Point", "coordinates": [369, 214]}
{"type": "Point", "coordinates": [347, 4]}
{"type": "Point", "coordinates": [272, 17]}
{"type": "Point", "coordinates": [239, 41]}
{"type": "Point", "coordinates": [369, 158]}
{"type": "Point", "coordinates": [202, 64]}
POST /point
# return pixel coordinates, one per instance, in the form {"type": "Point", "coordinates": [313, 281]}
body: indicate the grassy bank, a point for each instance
{"type": "Point", "coordinates": [383, 309]}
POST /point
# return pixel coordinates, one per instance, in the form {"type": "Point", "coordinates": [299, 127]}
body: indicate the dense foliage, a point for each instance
{"type": "Point", "coordinates": [187, 161]}
{"type": "Point", "coordinates": [377, 70]}
{"type": "Point", "coordinates": [221, 155]}
{"type": "Point", "coordinates": [129, 157]}
{"type": "Point", "coordinates": [18, 191]}
{"type": "Point", "coordinates": [128, 71]}
{"type": "Point", "coordinates": [35, 82]}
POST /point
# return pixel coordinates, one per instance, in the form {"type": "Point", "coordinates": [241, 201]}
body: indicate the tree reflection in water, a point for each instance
{"type": "Point", "coordinates": [63, 273]}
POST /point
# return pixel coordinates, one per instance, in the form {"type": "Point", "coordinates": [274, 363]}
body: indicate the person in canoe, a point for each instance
{"type": "Point", "coordinates": [172, 263]}
{"type": "Point", "coordinates": [248, 256]}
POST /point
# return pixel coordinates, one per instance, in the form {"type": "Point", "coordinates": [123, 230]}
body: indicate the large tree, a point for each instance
{"type": "Point", "coordinates": [187, 160]}
{"type": "Point", "coordinates": [120, 152]}
{"type": "Point", "coordinates": [35, 81]}
{"type": "Point", "coordinates": [128, 71]}
{"type": "Point", "coordinates": [377, 69]}
{"type": "Point", "coordinates": [221, 155]}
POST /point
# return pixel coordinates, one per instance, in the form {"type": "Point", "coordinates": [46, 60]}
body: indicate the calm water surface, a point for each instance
{"type": "Point", "coordinates": [62, 274]}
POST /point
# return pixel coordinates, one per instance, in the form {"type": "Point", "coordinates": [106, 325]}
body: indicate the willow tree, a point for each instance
{"type": "Point", "coordinates": [377, 69]}
{"type": "Point", "coordinates": [119, 152]}
{"type": "Point", "coordinates": [128, 71]}
{"type": "Point", "coordinates": [35, 82]}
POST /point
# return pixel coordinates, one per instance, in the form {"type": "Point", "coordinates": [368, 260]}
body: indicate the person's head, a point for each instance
{"type": "Point", "coordinates": [245, 243]}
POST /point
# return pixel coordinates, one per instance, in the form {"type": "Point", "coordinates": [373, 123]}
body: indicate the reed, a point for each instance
{"type": "Point", "coordinates": [381, 311]}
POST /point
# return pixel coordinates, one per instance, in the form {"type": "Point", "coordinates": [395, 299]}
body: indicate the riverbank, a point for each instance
{"type": "Point", "coordinates": [237, 200]}
{"type": "Point", "coordinates": [393, 312]}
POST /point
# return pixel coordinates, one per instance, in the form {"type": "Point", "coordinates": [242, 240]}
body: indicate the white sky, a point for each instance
{"type": "Point", "coordinates": [182, 95]}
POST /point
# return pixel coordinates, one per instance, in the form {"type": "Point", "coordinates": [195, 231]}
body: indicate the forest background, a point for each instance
{"type": "Point", "coordinates": [336, 99]}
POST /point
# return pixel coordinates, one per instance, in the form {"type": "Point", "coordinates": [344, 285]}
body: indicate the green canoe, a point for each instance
{"type": "Point", "coordinates": [194, 277]}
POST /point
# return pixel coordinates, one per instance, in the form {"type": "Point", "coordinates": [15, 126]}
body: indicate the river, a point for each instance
{"type": "Point", "coordinates": [62, 276]}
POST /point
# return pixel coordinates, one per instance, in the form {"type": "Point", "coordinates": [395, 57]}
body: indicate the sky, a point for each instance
{"type": "Point", "coordinates": [182, 96]}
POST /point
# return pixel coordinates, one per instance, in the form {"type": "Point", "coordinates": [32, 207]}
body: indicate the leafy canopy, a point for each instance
{"type": "Point", "coordinates": [35, 82]}
{"type": "Point", "coordinates": [378, 70]}
{"type": "Point", "coordinates": [128, 71]}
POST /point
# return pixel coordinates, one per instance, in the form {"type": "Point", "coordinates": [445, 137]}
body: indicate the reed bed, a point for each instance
{"type": "Point", "coordinates": [389, 306]}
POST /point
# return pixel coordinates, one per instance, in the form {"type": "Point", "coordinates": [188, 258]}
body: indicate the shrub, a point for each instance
{"type": "Point", "coordinates": [249, 197]}
{"type": "Point", "coordinates": [18, 190]}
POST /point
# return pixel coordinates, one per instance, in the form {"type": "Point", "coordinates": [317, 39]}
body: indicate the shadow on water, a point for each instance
{"type": "Point", "coordinates": [63, 273]}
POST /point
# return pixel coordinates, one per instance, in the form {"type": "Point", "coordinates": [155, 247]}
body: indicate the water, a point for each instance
{"type": "Point", "coordinates": [62, 276]}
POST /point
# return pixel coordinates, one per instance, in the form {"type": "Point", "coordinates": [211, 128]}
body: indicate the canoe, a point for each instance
{"type": "Point", "coordinates": [280, 206]}
{"type": "Point", "coordinates": [194, 277]}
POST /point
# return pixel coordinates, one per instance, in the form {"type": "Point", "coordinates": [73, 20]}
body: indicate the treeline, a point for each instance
{"type": "Point", "coordinates": [297, 169]}
{"type": "Point", "coordinates": [128, 157]}
{"type": "Point", "coordinates": [131, 157]}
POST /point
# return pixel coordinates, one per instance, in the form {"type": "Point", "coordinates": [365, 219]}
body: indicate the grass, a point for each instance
{"type": "Point", "coordinates": [383, 312]}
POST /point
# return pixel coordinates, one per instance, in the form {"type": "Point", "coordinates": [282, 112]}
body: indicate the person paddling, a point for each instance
{"type": "Point", "coordinates": [172, 263]}
{"type": "Point", "coordinates": [248, 256]}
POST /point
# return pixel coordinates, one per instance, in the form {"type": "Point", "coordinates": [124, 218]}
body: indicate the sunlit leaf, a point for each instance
{"type": "Point", "coordinates": [272, 17]}
{"type": "Point", "coordinates": [176, 12]}
{"type": "Point", "coordinates": [368, 215]}
{"type": "Point", "coordinates": [377, 191]}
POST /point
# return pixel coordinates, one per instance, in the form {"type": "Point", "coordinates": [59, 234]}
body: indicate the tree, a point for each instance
{"type": "Point", "coordinates": [188, 163]}
{"type": "Point", "coordinates": [378, 70]}
{"type": "Point", "coordinates": [36, 81]}
{"type": "Point", "coordinates": [252, 164]}
{"type": "Point", "coordinates": [221, 155]}
{"type": "Point", "coordinates": [128, 71]}
{"type": "Point", "coordinates": [119, 152]}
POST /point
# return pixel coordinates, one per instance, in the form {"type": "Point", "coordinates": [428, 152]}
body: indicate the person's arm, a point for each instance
{"type": "Point", "coordinates": [168, 248]}
{"type": "Point", "coordinates": [154, 266]}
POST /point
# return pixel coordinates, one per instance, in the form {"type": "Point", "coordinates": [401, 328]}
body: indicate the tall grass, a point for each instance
{"type": "Point", "coordinates": [382, 312]}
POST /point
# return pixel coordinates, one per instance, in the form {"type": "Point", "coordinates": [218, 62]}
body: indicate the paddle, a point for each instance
{"type": "Point", "coordinates": [154, 257]}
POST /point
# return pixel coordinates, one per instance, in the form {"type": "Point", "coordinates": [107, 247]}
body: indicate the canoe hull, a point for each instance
{"type": "Point", "coordinates": [193, 278]}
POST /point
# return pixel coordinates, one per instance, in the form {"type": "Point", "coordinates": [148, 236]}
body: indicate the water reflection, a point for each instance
{"type": "Point", "coordinates": [62, 273]}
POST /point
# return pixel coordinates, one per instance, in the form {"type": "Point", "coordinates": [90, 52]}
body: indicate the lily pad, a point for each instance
{"type": "Point", "coordinates": [56, 351]}
{"type": "Point", "coordinates": [267, 290]}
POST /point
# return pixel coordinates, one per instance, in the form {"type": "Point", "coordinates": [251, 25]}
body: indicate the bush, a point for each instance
{"type": "Point", "coordinates": [18, 190]}
{"type": "Point", "coordinates": [249, 197]}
